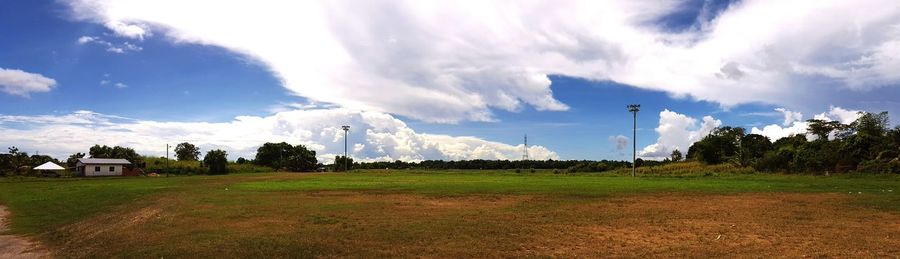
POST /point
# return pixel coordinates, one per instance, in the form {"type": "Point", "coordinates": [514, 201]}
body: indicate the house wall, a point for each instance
{"type": "Point", "coordinates": [89, 170]}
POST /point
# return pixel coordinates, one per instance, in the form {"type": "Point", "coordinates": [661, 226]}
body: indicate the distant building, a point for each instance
{"type": "Point", "coordinates": [101, 166]}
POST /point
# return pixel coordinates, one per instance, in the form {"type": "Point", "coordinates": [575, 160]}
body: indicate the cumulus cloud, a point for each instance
{"type": "Point", "coordinates": [620, 141]}
{"type": "Point", "coordinates": [374, 136]}
{"type": "Point", "coordinates": [498, 54]}
{"type": "Point", "coordinates": [21, 83]}
{"type": "Point", "coordinates": [677, 131]}
{"type": "Point", "coordinates": [120, 85]}
{"type": "Point", "coordinates": [839, 114]}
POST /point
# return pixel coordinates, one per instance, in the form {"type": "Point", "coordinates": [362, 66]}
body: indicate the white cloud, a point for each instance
{"type": "Point", "coordinates": [620, 141]}
{"type": "Point", "coordinates": [86, 39]}
{"type": "Point", "coordinates": [21, 83]}
{"type": "Point", "coordinates": [134, 31]}
{"type": "Point", "coordinates": [120, 85]}
{"type": "Point", "coordinates": [110, 47]}
{"type": "Point", "coordinates": [789, 116]}
{"type": "Point", "coordinates": [498, 54]}
{"type": "Point", "coordinates": [839, 114]}
{"type": "Point", "coordinates": [374, 136]}
{"type": "Point", "coordinates": [677, 131]}
{"type": "Point", "coordinates": [775, 132]}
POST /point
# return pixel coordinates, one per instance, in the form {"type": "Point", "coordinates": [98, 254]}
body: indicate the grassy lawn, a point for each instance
{"type": "Point", "coordinates": [415, 213]}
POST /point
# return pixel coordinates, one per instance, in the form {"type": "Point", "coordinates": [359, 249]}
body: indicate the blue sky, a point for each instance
{"type": "Point", "coordinates": [76, 73]}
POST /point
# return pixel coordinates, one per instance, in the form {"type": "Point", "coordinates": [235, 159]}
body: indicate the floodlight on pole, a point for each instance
{"type": "Point", "coordinates": [634, 108]}
{"type": "Point", "coordinates": [346, 129]}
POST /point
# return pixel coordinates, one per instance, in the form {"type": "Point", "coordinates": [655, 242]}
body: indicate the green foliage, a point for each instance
{"type": "Point", "coordinates": [241, 161]}
{"type": "Point", "coordinates": [161, 165]}
{"type": "Point", "coordinates": [866, 145]}
{"type": "Point", "coordinates": [871, 124]}
{"type": "Point", "coordinates": [752, 148]}
{"type": "Point", "coordinates": [342, 163]}
{"type": "Point", "coordinates": [247, 168]}
{"type": "Point", "coordinates": [590, 167]}
{"type": "Point", "coordinates": [73, 159]}
{"type": "Point", "coordinates": [285, 156]}
{"type": "Point", "coordinates": [187, 152]}
{"type": "Point", "coordinates": [777, 160]}
{"type": "Point", "coordinates": [688, 168]}
{"type": "Point", "coordinates": [216, 161]}
{"type": "Point", "coordinates": [676, 156]}
{"type": "Point", "coordinates": [822, 129]}
{"type": "Point", "coordinates": [127, 153]}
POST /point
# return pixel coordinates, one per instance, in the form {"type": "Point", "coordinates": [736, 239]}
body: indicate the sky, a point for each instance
{"type": "Point", "coordinates": [450, 80]}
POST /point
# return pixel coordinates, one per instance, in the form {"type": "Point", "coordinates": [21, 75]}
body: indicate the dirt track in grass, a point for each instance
{"type": "Point", "coordinates": [12, 246]}
{"type": "Point", "coordinates": [365, 224]}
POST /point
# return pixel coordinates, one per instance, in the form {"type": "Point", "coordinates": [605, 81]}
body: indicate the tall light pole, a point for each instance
{"type": "Point", "coordinates": [346, 129]}
{"type": "Point", "coordinates": [634, 108]}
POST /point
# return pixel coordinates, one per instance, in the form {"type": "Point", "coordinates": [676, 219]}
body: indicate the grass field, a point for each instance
{"type": "Point", "coordinates": [458, 214]}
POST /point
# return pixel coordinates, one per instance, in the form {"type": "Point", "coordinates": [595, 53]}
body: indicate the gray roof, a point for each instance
{"type": "Point", "coordinates": [104, 161]}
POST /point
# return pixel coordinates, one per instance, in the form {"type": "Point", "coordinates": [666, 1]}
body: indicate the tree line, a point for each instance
{"type": "Point", "coordinates": [277, 156]}
{"type": "Point", "coordinates": [868, 144]}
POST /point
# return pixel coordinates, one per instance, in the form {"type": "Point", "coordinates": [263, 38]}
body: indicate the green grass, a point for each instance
{"type": "Point", "coordinates": [494, 182]}
{"type": "Point", "coordinates": [43, 204]}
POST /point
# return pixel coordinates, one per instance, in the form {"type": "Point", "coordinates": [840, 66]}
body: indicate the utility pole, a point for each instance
{"type": "Point", "coordinates": [634, 108]}
{"type": "Point", "coordinates": [346, 161]}
{"type": "Point", "coordinates": [167, 160]}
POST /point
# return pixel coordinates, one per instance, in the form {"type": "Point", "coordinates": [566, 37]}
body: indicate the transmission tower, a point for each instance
{"type": "Point", "coordinates": [525, 151]}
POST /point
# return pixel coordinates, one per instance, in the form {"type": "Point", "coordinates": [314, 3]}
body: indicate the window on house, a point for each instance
{"type": "Point", "coordinates": [96, 169]}
{"type": "Point", "coordinates": [112, 168]}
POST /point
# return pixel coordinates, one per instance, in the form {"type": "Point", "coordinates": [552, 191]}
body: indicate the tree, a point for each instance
{"type": "Point", "coordinates": [285, 156]}
{"type": "Point", "coordinates": [217, 161]}
{"type": "Point", "coordinates": [822, 128]}
{"type": "Point", "coordinates": [753, 147]}
{"type": "Point", "coordinates": [675, 156]}
{"type": "Point", "coordinates": [187, 152]}
{"type": "Point", "coordinates": [73, 159]}
{"type": "Point", "coordinates": [719, 146]}
{"type": "Point", "coordinates": [241, 161]}
{"type": "Point", "coordinates": [871, 124]}
{"type": "Point", "coordinates": [98, 151]}
{"type": "Point", "coordinates": [342, 163]}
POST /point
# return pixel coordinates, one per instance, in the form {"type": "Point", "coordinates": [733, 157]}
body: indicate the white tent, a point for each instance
{"type": "Point", "coordinates": [49, 166]}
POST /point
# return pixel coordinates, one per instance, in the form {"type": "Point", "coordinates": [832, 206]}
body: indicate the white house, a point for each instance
{"type": "Point", "coordinates": [100, 166]}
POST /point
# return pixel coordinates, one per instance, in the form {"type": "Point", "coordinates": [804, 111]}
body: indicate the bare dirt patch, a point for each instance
{"type": "Point", "coordinates": [766, 225]}
{"type": "Point", "coordinates": [17, 247]}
